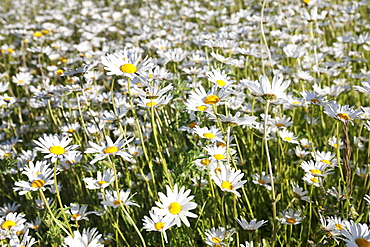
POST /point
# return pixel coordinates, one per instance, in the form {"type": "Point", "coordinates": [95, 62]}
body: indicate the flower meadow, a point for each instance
{"type": "Point", "coordinates": [184, 123]}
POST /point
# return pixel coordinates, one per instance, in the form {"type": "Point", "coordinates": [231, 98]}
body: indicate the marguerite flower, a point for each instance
{"type": "Point", "coordinates": [156, 223]}
{"type": "Point", "coordinates": [176, 205]}
{"type": "Point", "coordinates": [127, 64]}
{"type": "Point", "coordinates": [267, 90]}
{"type": "Point", "coordinates": [54, 147]}
{"type": "Point", "coordinates": [101, 181]}
{"type": "Point", "coordinates": [356, 234]}
{"type": "Point", "coordinates": [113, 199]}
{"type": "Point", "coordinates": [88, 238]}
{"type": "Point", "coordinates": [251, 226]}
{"type": "Point", "coordinates": [290, 217]}
{"type": "Point", "coordinates": [110, 148]}
{"type": "Point", "coordinates": [228, 179]}
{"type": "Point", "coordinates": [344, 113]}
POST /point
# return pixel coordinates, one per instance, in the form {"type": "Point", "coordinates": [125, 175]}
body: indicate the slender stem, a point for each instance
{"type": "Point", "coordinates": [270, 173]}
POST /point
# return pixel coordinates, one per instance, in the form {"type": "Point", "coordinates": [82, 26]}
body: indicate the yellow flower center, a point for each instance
{"type": "Point", "coordinates": [57, 150]}
{"type": "Point", "coordinates": [38, 183]}
{"type": "Point", "coordinates": [221, 83]}
{"type": "Point", "coordinates": [339, 227]}
{"type": "Point", "coordinates": [315, 101]}
{"type": "Point", "coordinates": [159, 226]}
{"type": "Point", "coordinates": [205, 162]}
{"type": "Point", "coordinates": [20, 81]}
{"type": "Point", "coordinates": [220, 144]}
{"type": "Point", "coordinates": [226, 185]}
{"type": "Point", "coordinates": [110, 150]}
{"type": "Point", "coordinates": [361, 242]}
{"type": "Point", "coordinates": [175, 208]}
{"type": "Point", "coordinates": [216, 240]}
{"type": "Point", "coordinates": [37, 34]}
{"type": "Point", "coordinates": [314, 180]}
{"type": "Point", "coordinates": [280, 125]}
{"type": "Point", "coordinates": [336, 145]}
{"type": "Point", "coordinates": [343, 116]}
{"type": "Point", "coordinates": [6, 155]}
{"type": "Point", "coordinates": [288, 139]}
{"type": "Point", "coordinates": [291, 220]}
{"type": "Point", "coordinates": [151, 103]}
{"type": "Point", "coordinates": [128, 68]}
{"type": "Point", "coordinates": [192, 125]}
{"type": "Point", "coordinates": [117, 202]}
{"type": "Point", "coordinates": [261, 181]}
{"type": "Point", "coordinates": [326, 161]}
{"type": "Point", "coordinates": [316, 171]}
{"type": "Point", "coordinates": [219, 156]}
{"type": "Point", "coordinates": [102, 182]}
{"type": "Point", "coordinates": [209, 135]}
{"type": "Point", "coordinates": [212, 99]}
{"type": "Point", "coordinates": [201, 108]}
{"type": "Point", "coordinates": [75, 216]}
{"type": "Point", "coordinates": [7, 224]}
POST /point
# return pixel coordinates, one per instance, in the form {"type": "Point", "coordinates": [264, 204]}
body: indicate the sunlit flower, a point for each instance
{"type": "Point", "coordinates": [219, 236]}
{"type": "Point", "coordinates": [344, 113]}
{"type": "Point", "coordinates": [290, 217]}
{"type": "Point", "coordinates": [356, 234]}
{"type": "Point", "coordinates": [267, 90]}
{"type": "Point", "coordinates": [113, 199]}
{"type": "Point", "coordinates": [88, 238]}
{"type": "Point", "coordinates": [251, 226]}
{"type": "Point", "coordinates": [54, 147]}
{"type": "Point", "coordinates": [228, 179]}
{"type": "Point", "coordinates": [109, 148]}
{"type": "Point", "coordinates": [156, 223]}
{"type": "Point", "coordinates": [78, 212]}
{"type": "Point", "coordinates": [101, 181]}
{"type": "Point", "coordinates": [176, 205]}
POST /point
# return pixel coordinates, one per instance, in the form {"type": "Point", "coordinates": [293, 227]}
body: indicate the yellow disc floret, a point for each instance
{"type": "Point", "coordinates": [212, 99]}
{"type": "Point", "coordinates": [174, 208]}
{"type": "Point", "coordinates": [226, 185]}
{"type": "Point", "coordinates": [159, 226]}
{"type": "Point", "coordinates": [7, 224]}
{"type": "Point", "coordinates": [110, 150]}
{"type": "Point", "coordinates": [128, 68]}
{"type": "Point", "coordinates": [38, 183]}
{"type": "Point", "coordinates": [57, 150]}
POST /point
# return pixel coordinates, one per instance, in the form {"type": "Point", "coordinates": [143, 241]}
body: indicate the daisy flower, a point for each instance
{"type": "Point", "coordinates": [27, 241]}
{"type": "Point", "coordinates": [312, 180]}
{"type": "Point", "coordinates": [101, 181]}
{"type": "Point", "coordinates": [290, 217]}
{"type": "Point", "coordinates": [88, 238]}
{"type": "Point", "coordinates": [300, 193]}
{"type": "Point", "coordinates": [54, 147]}
{"type": "Point", "coordinates": [9, 208]}
{"type": "Point", "coordinates": [213, 96]}
{"type": "Point", "coordinates": [325, 157]}
{"type": "Point", "coordinates": [251, 226]}
{"type": "Point", "coordinates": [237, 120]}
{"type": "Point", "coordinates": [109, 148]}
{"type": "Point", "coordinates": [365, 86]}
{"type": "Point", "coordinates": [127, 64]}
{"type": "Point", "coordinates": [213, 133]}
{"type": "Point", "coordinates": [113, 199]}
{"type": "Point", "coordinates": [266, 90]}
{"type": "Point", "coordinates": [219, 236]}
{"type": "Point", "coordinates": [37, 180]}
{"type": "Point", "coordinates": [12, 223]}
{"type": "Point", "coordinates": [316, 169]}
{"type": "Point", "coordinates": [334, 142]}
{"type": "Point", "coordinates": [176, 205]}
{"type": "Point", "coordinates": [78, 212]}
{"type": "Point", "coordinates": [313, 98]}
{"type": "Point", "coordinates": [288, 136]}
{"type": "Point", "coordinates": [342, 113]}
{"type": "Point", "coordinates": [218, 153]}
{"type": "Point", "coordinates": [356, 234]}
{"type": "Point", "coordinates": [156, 223]}
{"type": "Point", "coordinates": [219, 78]}
{"type": "Point", "coordinates": [262, 180]}
{"type": "Point", "coordinates": [228, 179]}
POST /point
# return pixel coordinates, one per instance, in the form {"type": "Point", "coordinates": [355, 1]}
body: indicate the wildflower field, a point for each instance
{"type": "Point", "coordinates": [184, 123]}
